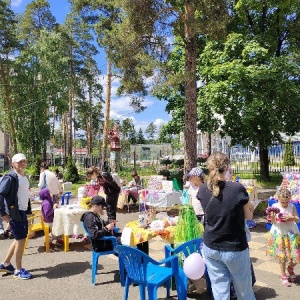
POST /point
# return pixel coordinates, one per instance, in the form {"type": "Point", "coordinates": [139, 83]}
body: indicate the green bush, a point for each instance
{"type": "Point", "coordinates": [288, 155]}
{"type": "Point", "coordinates": [179, 162]}
{"type": "Point", "coordinates": [71, 173]}
{"type": "Point", "coordinates": [36, 166]}
{"type": "Point", "coordinates": [261, 207]}
{"type": "Point", "coordinates": [166, 173]}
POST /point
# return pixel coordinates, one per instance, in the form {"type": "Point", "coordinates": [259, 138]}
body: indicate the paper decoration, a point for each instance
{"type": "Point", "coordinates": [126, 236]}
{"type": "Point", "coordinates": [167, 185]}
{"type": "Point", "coordinates": [155, 182]}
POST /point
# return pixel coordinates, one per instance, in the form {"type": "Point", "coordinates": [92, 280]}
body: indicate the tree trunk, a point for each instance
{"type": "Point", "coordinates": [6, 87]}
{"type": "Point", "coordinates": [207, 149]}
{"type": "Point", "coordinates": [89, 129]}
{"type": "Point", "coordinates": [70, 122]}
{"type": "Point", "coordinates": [65, 136]}
{"type": "Point", "coordinates": [190, 116]}
{"type": "Point", "coordinates": [264, 163]}
{"type": "Point", "coordinates": [107, 114]}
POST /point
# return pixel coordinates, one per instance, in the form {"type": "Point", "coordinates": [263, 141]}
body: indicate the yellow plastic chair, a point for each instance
{"type": "Point", "coordinates": [33, 227]}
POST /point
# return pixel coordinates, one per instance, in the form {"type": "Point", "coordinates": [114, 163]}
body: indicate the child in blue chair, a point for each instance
{"type": "Point", "coordinates": [97, 227]}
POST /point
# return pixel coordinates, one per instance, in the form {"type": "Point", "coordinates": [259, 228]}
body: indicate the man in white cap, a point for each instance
{"type": "Point", "coordinates": [14, 190]}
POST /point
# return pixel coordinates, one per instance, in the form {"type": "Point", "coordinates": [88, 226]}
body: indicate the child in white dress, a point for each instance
{"type": "Point", "coordinates": [284, 238]}
{"type": "Point", "coordinates": [196, 179]}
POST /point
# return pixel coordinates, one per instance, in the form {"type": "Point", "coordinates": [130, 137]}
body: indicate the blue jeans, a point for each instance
{"type": "Point", "coordinates": [222, 264]}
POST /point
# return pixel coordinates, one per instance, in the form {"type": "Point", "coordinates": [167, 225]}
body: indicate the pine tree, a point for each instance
{"type": "Point", "coordinates": [140, 137]}
{"type": "Point", "coordinates": [288, 156]}
{"type": "Point", "coordinates": [72, 172]}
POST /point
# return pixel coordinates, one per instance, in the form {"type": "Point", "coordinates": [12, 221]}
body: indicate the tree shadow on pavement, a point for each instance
{"type": "Point", "coordinates": [61, 270]}
{"type": "Point", "coordinates": [265, 293]}
{"type": "Point", "coordinates": [260, 228]}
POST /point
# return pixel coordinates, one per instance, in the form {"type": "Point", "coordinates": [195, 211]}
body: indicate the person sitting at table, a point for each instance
{"type": "Point", "coordinates": [47, 211]}
{"type": "Point", "coordinates": [97, 227]}
{"type": "Point", "coordinates": [134, 186]}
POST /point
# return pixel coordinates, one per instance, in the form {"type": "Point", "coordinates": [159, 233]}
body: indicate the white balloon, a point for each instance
{"type": "Point", "coordinates": [194, 266]}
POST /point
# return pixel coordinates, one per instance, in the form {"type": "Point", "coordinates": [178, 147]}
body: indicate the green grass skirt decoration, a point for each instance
{"type": "Point", "coordinates": [188, 226]}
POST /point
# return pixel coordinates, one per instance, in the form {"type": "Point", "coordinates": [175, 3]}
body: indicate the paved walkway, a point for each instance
{"type": "Point", "coordinates": [60, 275]}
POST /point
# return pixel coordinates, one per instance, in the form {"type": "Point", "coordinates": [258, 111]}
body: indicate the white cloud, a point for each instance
{"type": "Point", "coordinates": [16, 3]}
{"type": "Point", "coordinates": [120, 108]}
{"type": "Point", "coordinates": [159, 122]}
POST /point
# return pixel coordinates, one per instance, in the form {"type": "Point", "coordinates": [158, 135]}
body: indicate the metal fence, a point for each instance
{"type": "Point", "coordinates": [243, 159]}
{"type": "Point", "coordinates": [246, 160]}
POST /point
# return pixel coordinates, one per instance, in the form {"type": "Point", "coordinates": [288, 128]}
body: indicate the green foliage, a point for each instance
{"type": "Point", "coordinates": [165, 172]}
{"type": "Point", "coordinates": [288, 155]}
{"type": "Point", "coordinates": [37, 163]}
{"type": "Point", "coordinates": [178, 162]}
{"type": "Point", "coordinates": [151, 131]}
{"type": "Point", "coordinates": [140, 137]}
{"type": "Point", "coordinates": [165, 161]}
{"type": "Point", "coordinates": [71, 173]}
{"type": "Point", "coordinates": [261, 207]}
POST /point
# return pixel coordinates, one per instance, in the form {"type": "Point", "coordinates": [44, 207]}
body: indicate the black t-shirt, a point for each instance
{"type": "Point", "coordinates": [224, 216]}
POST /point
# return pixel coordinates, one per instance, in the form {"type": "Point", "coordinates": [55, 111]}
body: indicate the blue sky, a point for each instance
{"type": "Point", "coordinates": [120, 108]}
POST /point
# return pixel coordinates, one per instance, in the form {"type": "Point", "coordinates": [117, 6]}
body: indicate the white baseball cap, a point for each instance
{"type": "Point", "coordinates": [18, 157]}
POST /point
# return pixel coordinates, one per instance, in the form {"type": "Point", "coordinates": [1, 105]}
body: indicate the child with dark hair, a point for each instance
{"type": "Point", "coordinates": [96, 181]}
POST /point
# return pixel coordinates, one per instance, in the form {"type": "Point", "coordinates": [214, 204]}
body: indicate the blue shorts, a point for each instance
{"type": "Point", "coordinates": [19, 228]}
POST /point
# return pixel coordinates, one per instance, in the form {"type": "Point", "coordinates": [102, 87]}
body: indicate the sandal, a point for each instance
{"type": "Point", "coordinates": [292, 274]}
{"type": "Point", "coordinates": [284, 281]}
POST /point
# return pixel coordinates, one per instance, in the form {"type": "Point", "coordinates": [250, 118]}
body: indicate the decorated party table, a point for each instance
{"type": "Point", "coordinates": [140, 235]}
{"type": "Point", "coordinates": [171, 229]}
{"type": "Point", "coordinates": [160, 198]}
{"type": "Point", "coordinates": [67, 222]}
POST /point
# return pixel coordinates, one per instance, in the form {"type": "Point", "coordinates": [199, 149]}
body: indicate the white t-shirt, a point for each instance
{"type": "Point", "coordinates": [51, 181]}
{"type": "Point", "coordinates": [23, 192]}
{"type": "Point", "coordinates": [194, 201]}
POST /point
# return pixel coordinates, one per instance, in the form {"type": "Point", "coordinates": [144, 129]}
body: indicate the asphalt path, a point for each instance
{"type": "Point", "coordinates": [67, 275]}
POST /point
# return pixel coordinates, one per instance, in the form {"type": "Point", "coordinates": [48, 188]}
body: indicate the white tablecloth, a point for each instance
{"type": "Point", "coordinates": [159, 198]}
{"type": "Point", "coordinates": [67, 220]}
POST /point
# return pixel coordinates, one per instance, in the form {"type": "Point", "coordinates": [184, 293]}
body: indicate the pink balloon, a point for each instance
{"type": "Point", "coordinates": [194, 266]}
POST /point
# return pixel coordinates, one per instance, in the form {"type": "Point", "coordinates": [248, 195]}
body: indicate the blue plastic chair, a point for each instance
{"type": "Point", "coordinates": [183, 251]}
{"type": "Point", "coordinates": [96, 255]}
{"type": "Point", "coordinates": [66, 196]}
{"type": "Point", "coordinates": [148, 273]}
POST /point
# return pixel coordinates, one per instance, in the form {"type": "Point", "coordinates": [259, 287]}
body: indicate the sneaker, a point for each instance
{"type": "Point", "coordinates": [3, 236]}
{"type": "Point", "coordinates": [8, 234]}
{"type": "Point", "coordinates": [59, 241]}
{"type": "Point", "coordinates": [22, 274]}
{"type": "Point", "coordinates": [9, 269]}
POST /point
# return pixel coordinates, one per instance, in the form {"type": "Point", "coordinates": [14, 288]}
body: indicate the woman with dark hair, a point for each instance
{"type": "Point", "coordinates": [226, 206]}
{"type": "Point", "coordinates": [134, 186]}
{"type": "Point", "coordinates": [112, 191]}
